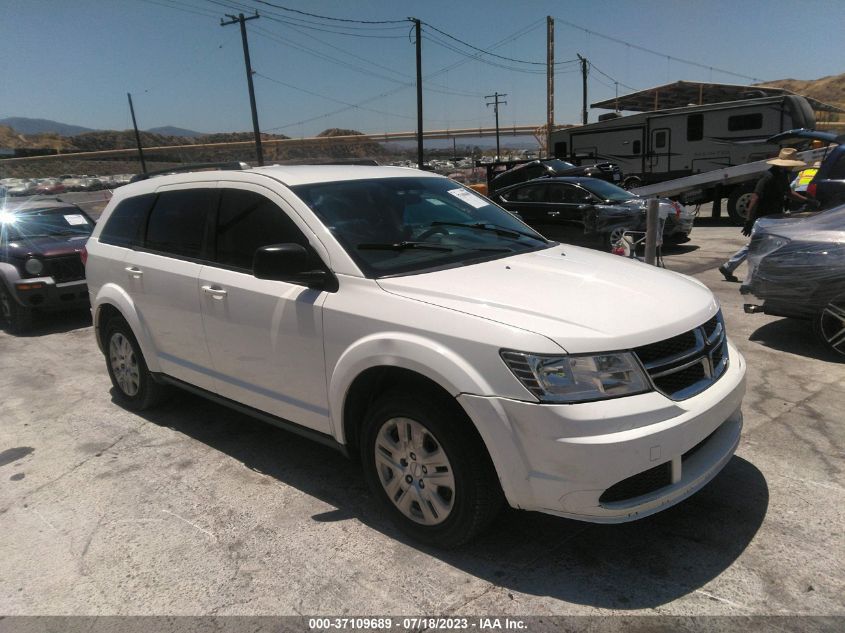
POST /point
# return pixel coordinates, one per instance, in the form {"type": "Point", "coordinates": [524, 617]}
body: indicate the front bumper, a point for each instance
{"type": "Point", "coordinates": [578, 461]}
{"type": "Point", "coordinates": [43, 293]}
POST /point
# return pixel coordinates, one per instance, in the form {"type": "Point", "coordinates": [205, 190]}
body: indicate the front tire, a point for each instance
{"type": "Point", "coordinates": [429, 468]}
{"type": "Point", "coordinates": [133, 383]}
{"type": "Point", "coordinates": [829, 325]}
{"type": "Point", "coordinates": [18, 318]}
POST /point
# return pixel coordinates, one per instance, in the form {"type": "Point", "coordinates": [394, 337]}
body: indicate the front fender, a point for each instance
{"type": "Point", "coordinates": [115, 296]}
{"type": "Point", "coordinates": [403, 350]}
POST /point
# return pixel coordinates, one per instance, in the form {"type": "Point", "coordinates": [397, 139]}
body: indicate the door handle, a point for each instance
{"type": "Point", "coordinates": [217, 293]}
{"type": "Point", "coordinates": [135, 273]}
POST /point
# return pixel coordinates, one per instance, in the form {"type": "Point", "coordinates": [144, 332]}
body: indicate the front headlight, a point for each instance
{"type": "Point", "coordinates": [34, 266]}
{"type": "Point", "coordinates": [578, 378]}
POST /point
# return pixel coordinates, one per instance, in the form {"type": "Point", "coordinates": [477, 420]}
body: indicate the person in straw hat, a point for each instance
{"type": "Point", "coordinates": [769, 197]}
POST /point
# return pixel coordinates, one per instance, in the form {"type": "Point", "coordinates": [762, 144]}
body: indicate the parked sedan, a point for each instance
{"type": "Point", "coordinates": [50, 186]}
{"type": "Point", "coordinates": [578, 208]}
{"type": "Point", "coordinates": [796, 266]}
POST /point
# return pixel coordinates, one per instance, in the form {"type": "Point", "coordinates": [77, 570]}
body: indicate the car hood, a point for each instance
{"type": "Point", "coordinates": [583, 300]}
{"type": "Point", "coordinates": [827, 226]}
{"type": "Point", "coordinates": [52, 246]}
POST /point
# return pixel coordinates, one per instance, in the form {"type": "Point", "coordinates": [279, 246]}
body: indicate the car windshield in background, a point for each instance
{"type": "Point", "coordinates": [607, 191]}
{"type": "Point", "coordinates": [394, 226]}
{"type": "Point", "coordinates": [62, 221]}
{"type": "Point", "coordinates": [559, 165]}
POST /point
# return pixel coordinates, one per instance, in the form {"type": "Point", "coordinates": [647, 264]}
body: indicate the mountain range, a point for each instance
{"type": "Point", "coordinates": [25, 125]}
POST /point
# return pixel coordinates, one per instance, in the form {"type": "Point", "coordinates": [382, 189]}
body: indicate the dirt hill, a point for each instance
{"type": "Point", "coordinates": [827, 89]}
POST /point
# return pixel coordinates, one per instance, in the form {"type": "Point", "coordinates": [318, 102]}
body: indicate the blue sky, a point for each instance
{"type": "Point", "coordinates": [75, 60]}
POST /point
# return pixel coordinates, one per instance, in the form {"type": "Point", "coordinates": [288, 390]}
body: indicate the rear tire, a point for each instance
{"type": "Point", "coordinates": [429, 468]}
{"type": "Point", "coordinates": [18, 318]}
{"type": "Point", "coordinates": [134, 385]}
{"type": "Point", "coordinates": [738, 201]}
{"type": "Point", "coordinates": [631, 182]}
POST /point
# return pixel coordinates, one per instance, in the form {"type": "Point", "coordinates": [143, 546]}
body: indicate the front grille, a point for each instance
{"type": "Point", "coordinates": [65, 268]}
{"type": "Point", "coordinates": [685, 365]}
{"type": "Point", "coordinates": [639, 485]}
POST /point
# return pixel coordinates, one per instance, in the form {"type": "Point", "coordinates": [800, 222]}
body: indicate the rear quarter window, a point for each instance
{"type": "Point", "coordinates": [126, 223]}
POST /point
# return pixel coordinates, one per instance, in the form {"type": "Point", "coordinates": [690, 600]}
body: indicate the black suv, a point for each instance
{"type": "Point", "coordinates": [40, 265]}
{"type": "Point", "coordinates": [551, 168]}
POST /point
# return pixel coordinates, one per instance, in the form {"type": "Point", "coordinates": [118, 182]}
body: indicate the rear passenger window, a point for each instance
{"type": "Point", "coordinates": [125, 226]}
{"type": "Point", "coordinates": [178, 221]}
{"type": "Point", "coordinates": [246, 222]}
{"type": "Point", "coordinates": [533, 193]}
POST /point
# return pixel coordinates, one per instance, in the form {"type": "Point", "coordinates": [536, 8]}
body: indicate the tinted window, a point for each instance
{"type": "Point", "coordinates": [695, 127]}
{"type": "Point", "coordinates": [837, 172]}
{"type": "Point", "coordinates": [660, 139]}
{"type": "Point", "coordinates": [126, 224]}
{"type": "Point", "coordinates": [178, 220]}
{"type": "Point", "coordinates": [246, 222]}
{"type": "Point", "coordinates": [745, 122]}
{"type": "Point", "coordinates": [533, 193]}
{"type": "Point", "coordinates": [567, 194]}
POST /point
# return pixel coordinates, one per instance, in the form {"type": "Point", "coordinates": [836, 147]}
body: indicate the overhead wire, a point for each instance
{"type": "Point", "coordinates": [327, 17]}
{"type": "Point", "coordinates": [653, 52]}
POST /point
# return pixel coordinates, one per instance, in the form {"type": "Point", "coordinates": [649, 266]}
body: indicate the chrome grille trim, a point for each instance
{"type": "Point", "coordinates": [675, 375]}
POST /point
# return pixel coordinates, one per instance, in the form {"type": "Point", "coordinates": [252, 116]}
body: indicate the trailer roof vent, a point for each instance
{"type": "Point", "coordinates": [607, 116]}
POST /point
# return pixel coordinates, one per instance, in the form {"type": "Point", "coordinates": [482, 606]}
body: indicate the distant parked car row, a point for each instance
{"type": "Point", "coordinates": [62, 184]}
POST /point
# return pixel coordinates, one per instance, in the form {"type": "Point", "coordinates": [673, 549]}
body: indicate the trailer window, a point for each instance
{"type": "Point", "coordinates": [695, 127]}
{"type": "Point", "coordinates": [560, 149]}
{"type": "Point", "coordinates": [635, 147]}
{"type": "Point", "coordinates": [741, 122]}
{"type": "Point", "coordinates": [660, 140]}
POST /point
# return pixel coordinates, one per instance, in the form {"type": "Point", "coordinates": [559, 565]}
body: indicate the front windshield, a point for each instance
{"type": "Point", "coordinates": [54, 221]}
{"type": "Point", "coordinates": [395, 226]}
{"type": "Point", "coordinates": [607, 191]}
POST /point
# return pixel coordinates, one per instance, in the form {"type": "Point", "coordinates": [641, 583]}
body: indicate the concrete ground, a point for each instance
{"type": "Point", "coordinates": [194, 509]}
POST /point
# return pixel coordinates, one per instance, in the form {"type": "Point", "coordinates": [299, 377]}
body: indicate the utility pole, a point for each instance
{"type": "Point", "coordinates": [495, 96]}
{"type": "Point", "coordinates": [242, 20]}
{"type": "Point", "coordinates": [550, 83]}
{"type": "Point", "coordinates": [137, 134]}
{"type": "Point", "coordinates": [583, 88]}
{"type": "Point", "coordinates": [418, 35]}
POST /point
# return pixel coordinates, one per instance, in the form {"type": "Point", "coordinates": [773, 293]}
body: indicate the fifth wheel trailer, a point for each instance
{"type": "Point", "coordinates": [651, 147]}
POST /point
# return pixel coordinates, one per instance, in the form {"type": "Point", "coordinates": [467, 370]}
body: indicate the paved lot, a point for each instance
{"type": "Point", "coordinates": [194, 509]}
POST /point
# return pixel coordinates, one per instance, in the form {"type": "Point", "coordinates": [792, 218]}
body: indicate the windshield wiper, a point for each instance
{"type": "Point", "coordinates": [486, 226]}
{"type": "Point", "coordinates": [402, 246]}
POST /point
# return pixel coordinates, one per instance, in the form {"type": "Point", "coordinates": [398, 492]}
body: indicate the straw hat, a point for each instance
{"type": "Point", "coordinates": [787, 158]}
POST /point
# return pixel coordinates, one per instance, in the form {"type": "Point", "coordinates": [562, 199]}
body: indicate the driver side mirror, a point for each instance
{"type": "Point", "coordinates": [291, 263]}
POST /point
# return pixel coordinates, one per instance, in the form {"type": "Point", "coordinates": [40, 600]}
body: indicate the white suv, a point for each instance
{"type": "Point", "coordinates": [408, 321]}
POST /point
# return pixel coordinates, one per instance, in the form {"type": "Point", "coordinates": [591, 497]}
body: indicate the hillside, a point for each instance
{"type": "Point", "coordinates": [24, 125]}
{"type": "Point", "coordinates": [829, 89]}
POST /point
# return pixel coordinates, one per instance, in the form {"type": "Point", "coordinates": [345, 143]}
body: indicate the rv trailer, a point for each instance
{"type": "Point", "coordinates": [651, 147]}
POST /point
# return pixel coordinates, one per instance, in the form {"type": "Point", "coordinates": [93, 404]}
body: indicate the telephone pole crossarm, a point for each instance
{"type": "Point", "coordinates": [496, 103]}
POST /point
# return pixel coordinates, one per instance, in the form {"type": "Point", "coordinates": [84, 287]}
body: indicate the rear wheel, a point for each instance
{"type": "Point", "coordinates": [134, 384]}
{"type": "Point", "coordinates": [738, 203]}
{"type": "Point", "coordinates": [829, 325]}
{"type": "Point", "coordinates": [17, 318]}
{"type": "Point", "coordinates": [429, 468]}
{"type": "Point", "coordinates": [631, 182]}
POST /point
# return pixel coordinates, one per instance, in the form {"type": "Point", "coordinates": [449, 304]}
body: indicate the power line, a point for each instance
{"type": "Point", "coordinates": [653, 52]}
{"type": "Point", "coordinates": [326, 17]}
{"type": "Point", "coordinates": [486, 52]}
{"type": "Point", "coordinates": [613, 79]}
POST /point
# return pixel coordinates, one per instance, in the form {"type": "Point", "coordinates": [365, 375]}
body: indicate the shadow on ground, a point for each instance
{"type": "Point", "coordinates": [794, 336]}
{"type": "Point", "coordinates": [44, 323]}
{"type": "Point", "coordinates": [636, 565]}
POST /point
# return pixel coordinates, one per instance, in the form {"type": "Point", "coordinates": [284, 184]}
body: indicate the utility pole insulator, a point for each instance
{"type": "Point", "coordinates": [240, 19]}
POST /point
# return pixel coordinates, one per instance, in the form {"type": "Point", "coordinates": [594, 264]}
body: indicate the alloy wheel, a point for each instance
{"type": "Point", "coordinates": [832, 325]}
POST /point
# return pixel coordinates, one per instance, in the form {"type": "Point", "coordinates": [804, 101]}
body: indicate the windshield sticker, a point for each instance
{"type": "Point", "coordinates": [474, 200]}
{"type": "Point", "coordinates": [75, 219]}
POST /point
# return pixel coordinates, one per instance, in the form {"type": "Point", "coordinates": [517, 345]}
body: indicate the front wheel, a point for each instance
{"type": "Point", "coordinates": [829, 325]}
{"type": "Point", "coordinates": [429, 468]}
{"type": "Point", "coordinates": [18, 318]}
{"type": "Point", "coordinates": [134, 384]}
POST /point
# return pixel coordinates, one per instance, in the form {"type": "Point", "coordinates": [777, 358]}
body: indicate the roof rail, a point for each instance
{"type": "Point", "coordinates": [235, 165]}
